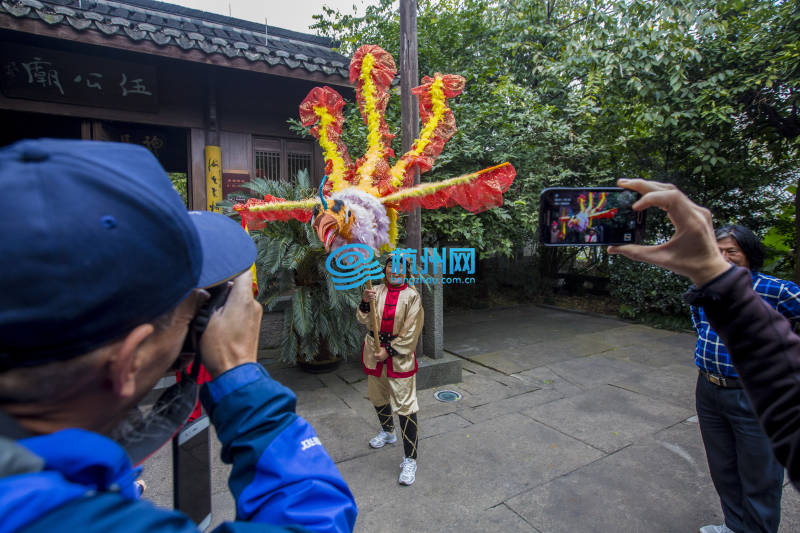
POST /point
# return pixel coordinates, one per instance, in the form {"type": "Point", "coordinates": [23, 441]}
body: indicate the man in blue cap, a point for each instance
{"type": "Point", "coordinates": [102, 271]}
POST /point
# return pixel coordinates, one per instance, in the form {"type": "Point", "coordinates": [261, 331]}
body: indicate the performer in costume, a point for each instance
{"type": "Point", "coordinates": [391, 367]}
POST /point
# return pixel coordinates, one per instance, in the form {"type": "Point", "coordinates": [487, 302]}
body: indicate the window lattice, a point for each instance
{"type": "Point", "coordinates": [268, 165]}
{"type": "Point", "coordinates": [296, 162]}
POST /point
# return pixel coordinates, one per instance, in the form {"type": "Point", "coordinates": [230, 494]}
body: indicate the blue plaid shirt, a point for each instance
{"type": "Point", "coordinates": [710, 354]}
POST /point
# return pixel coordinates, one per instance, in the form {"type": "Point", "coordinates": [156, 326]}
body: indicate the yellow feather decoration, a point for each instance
{"type": "Point", "coordinates": [392, 214]}
{"type": "Point", "coordinates": [374, 151]}
{"type": "Point", "coordinates": [400, 169]}
{"type": "Point", "coordinates": [308, 203]}
{"type": "Point", "coordinates": [425, 189]}
{"type": "Point", "coordinates": [330, 151]}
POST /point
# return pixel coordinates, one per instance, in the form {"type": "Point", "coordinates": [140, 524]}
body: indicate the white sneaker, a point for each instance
{"type": "Point", "coordinates": [382, 438]}
{"type": "Point", "coordinates": [409, 473]}
{"type": "Point", "coordinates": [722, 528]}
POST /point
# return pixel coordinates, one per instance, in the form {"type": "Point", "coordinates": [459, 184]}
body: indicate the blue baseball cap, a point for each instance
{"type": "Point", "coordinates": [95, 241]}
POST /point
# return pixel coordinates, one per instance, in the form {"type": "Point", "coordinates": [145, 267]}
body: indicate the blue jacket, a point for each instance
{"type": "Point", "coordinates": [282, 477]}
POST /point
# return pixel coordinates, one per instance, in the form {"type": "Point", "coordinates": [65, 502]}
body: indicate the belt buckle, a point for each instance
{"type": "Point", "coordinates": [715, 380]}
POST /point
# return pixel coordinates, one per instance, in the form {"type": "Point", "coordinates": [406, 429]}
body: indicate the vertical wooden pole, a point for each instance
{"type": "Point", "coordinates": [409, 78]}
{"type": "Point", "coordinates": [212, 153]}
{"type": "Point", "coordinates": [373, 317]}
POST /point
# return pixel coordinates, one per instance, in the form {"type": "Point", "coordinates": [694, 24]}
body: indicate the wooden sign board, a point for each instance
{"type": "Point", "coordinates": [232, 181]}
{"type": "Point", "coordinates": [50, 75]}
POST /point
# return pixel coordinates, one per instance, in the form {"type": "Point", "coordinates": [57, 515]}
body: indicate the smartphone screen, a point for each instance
{"type": "Point", "coordinates": [594, 216]}
{"type": "Point", "coordinates": [191, 464]}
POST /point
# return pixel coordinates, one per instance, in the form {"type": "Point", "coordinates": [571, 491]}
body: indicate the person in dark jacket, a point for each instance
{"type": "Point", "coordinates": [762, 345]}
{"type": "Point", "coordinates": [748, 478]}
{"type": "Point", "coordinates": [103, 271]}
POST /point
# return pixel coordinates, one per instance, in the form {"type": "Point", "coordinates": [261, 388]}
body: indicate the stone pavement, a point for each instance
{"type": "Point", "coordinates": [568, 422]}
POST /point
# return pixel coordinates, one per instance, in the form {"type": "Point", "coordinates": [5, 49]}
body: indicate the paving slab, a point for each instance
{"type": "Point", "coordinates": [667, 384]}
{"type": "Point", "coordinates": [588, 372]}
{"type": "Point", "coordinates": [458, 470]}
{"type": "Point", "coordinates": [553, 385]}
{"type": "Point", "coordinates": [345, 434]}
{"type": "Point", "coordinates": [480, 389]}
{"type": "Point", "coordinates": [498, 518]}
{"type": "Point", "coordinates": [790, 510]}
{"type": "Point", "coordinates": [627, 334]}
{"type": "Point", "coordinates": [658, 484]}
{"type": "Point", "coordinates": [567, 422]}
{"type": "Point", "coordinates": [430, 427]}
{"type": "Point", "coordinates": [643, 499]}
{"type": "Point", "coordinates": [681, 342]}
{"type": "Point", "coordinates": [519, 329]}
{"type": "Point", "coordinates": [655, 355]}
{"type": "Point", "coordinates": [518, 359]}
{"type": "Point", "coordinates": [514, 404]}
{"type": "Point", "coordinates": [607, 417]}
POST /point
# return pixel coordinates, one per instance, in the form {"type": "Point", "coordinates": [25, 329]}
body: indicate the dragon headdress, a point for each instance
{"type": "Point", "coordinates": [359, 202]}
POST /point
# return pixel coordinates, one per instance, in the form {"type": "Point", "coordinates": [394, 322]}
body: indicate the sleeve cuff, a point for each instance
{"type": "Point", "coordinates": [710, 292]}
{"type": "Point", "coordinates": [234, 379]}
{"type": "Point", "coordinates": [364, 306]}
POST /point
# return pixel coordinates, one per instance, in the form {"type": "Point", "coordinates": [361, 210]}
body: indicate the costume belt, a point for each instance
{"type": "Point", "coordinates": [384, 337]}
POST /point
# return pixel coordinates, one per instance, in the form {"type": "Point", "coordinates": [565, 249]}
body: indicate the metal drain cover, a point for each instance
{"type": "Point", "coordinates": [447, 395]}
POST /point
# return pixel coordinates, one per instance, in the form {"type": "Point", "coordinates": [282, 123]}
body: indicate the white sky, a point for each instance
{"type": "Point", "coordinates": [288, 14]}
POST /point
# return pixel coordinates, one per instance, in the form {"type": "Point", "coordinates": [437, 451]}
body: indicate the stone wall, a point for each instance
{"type": "Point", "coordinates": [271, 326]}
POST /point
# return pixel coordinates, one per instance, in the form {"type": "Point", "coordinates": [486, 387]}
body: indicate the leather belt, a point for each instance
{"type": "Point", "coordinates": [721, 381]}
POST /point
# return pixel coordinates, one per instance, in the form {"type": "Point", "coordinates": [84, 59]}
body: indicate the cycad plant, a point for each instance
{"type": "Point", "coordinates": [320, 323]}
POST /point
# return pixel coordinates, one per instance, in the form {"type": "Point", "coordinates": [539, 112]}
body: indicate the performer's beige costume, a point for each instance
{"type": "Point", "coordinates": [393, 381]}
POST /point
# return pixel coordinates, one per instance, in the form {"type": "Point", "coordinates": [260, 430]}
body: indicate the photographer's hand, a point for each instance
{"type": "Point", "coordinates": [231, 338]}
{"type": "Point", "coordinates": [692, 250]}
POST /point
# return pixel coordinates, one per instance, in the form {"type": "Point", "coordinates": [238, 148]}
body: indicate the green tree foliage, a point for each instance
{"type": "Point", "coordinates": [179, 182]}
{"type": "Point", "coordinates": [699, 93]}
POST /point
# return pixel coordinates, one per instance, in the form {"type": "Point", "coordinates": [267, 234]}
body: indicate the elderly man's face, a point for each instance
{"type": "Point", "coordinates": [166, 343]}
{"type": "Point", "coordinates": [732, 253]}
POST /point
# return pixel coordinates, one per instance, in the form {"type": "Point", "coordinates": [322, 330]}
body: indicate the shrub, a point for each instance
{"type": "Point", "coordinates": [645, 291]}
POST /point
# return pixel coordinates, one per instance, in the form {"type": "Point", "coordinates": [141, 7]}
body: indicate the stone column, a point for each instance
{"type": "Point", "coordinates": [433, 304]}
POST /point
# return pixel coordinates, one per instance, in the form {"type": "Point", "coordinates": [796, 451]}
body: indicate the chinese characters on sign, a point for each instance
{"type": "Point", "coordinates": [51, 75]}
{"type": "Point", "coordinates": [213, 177]}
{"type": "Point", "coordinates": [232, 181]}
{"type": "Point", "coordinates": [39, 73]}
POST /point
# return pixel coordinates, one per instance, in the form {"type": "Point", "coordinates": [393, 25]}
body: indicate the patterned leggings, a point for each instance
{"type": "Point", "coordinates": [408, 428]}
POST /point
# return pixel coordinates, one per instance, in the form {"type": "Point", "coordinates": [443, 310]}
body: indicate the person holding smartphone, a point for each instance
{"type": "Point", "coordinates": [391, 364]}
{"type": "Point", "coordinates": [103, 271]}
{"type": "Point", "coordinates": [764, 350]}
{"type": "Point", "coordinates": [748, 478]}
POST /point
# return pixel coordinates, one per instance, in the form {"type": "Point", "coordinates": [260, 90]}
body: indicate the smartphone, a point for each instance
{"type": "Point", "coordinates": [590, 216]}
{"type": "Point", "coordinates": [191, 469]}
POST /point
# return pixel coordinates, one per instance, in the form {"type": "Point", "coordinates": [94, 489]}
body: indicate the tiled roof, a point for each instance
{"type": "Point", "coordinates": [187, 29]}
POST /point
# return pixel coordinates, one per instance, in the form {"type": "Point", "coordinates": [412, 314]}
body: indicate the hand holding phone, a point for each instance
{"type": "Point", "coordinates": [231, 337]}
{"type": "Point", "coordinates": [593, 216]}
{"type": "Point", "coordinates": [692, 250]}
